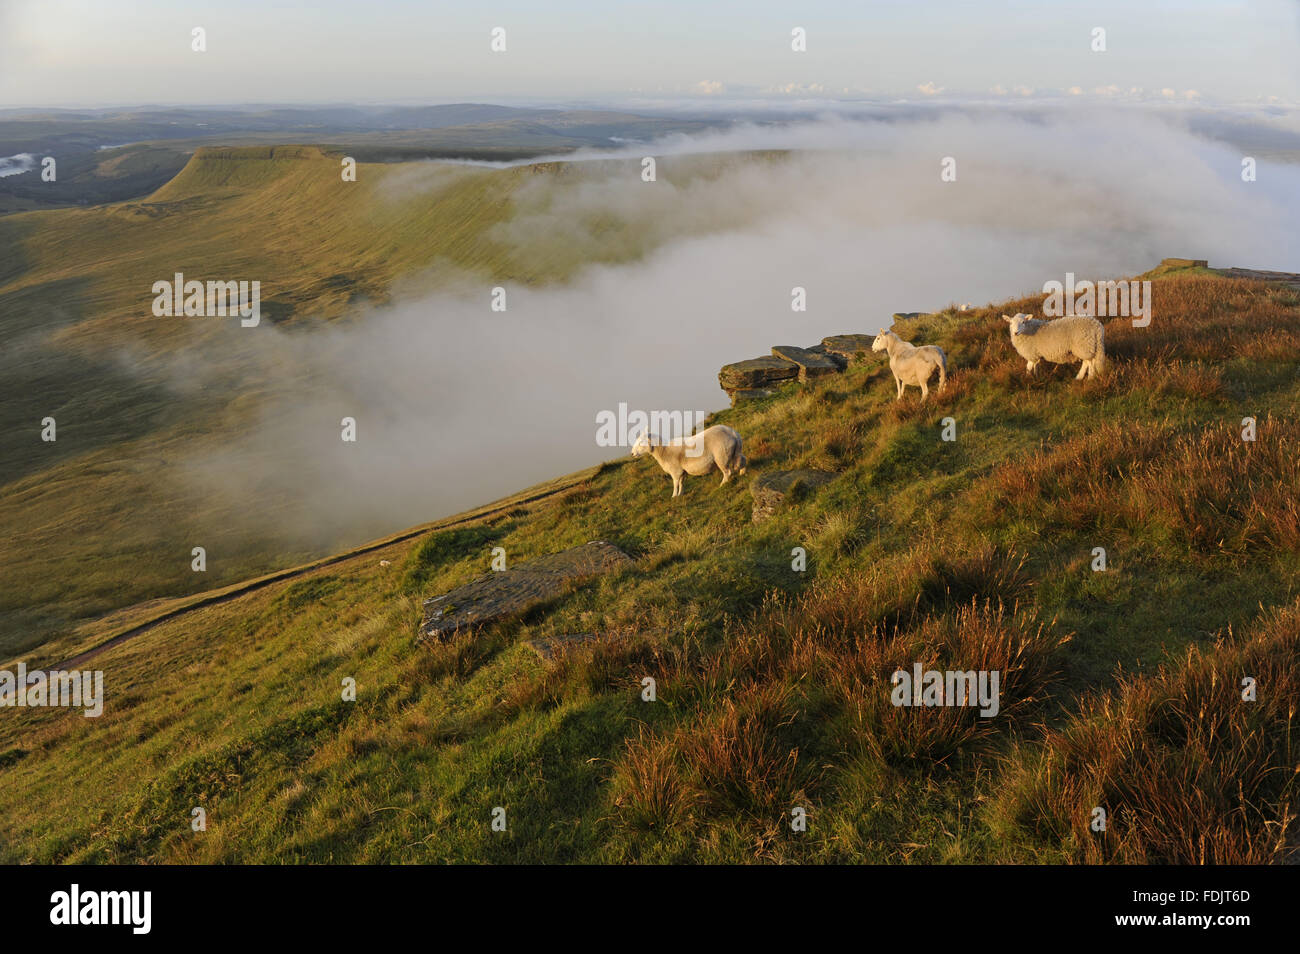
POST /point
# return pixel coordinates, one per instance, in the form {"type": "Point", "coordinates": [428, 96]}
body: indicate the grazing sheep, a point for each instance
{"type": "Point", "coordinates": [714, 447]}
{"type": "Point", "coordinates": [912, 364]}
{"type": "Point", "coordinates": [1076, 337]}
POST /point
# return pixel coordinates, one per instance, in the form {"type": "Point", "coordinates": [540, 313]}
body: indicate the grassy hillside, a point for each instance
{"type": "Point", "coordinates": [1121, 688]}
{"type": "Point", "coordinates": [82, 347]}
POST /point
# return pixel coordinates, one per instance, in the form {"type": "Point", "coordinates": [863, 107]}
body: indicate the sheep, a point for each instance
{"type": "Point", "coordinates": [1060, 341]}
{"type": "Point", "coordinates": [714, 447]}
{"type": "Point", "coordinates": [912, 364]}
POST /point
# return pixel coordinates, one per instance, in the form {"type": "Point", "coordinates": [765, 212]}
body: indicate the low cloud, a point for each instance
{"type": "Point", "coordinates": [456, 404]}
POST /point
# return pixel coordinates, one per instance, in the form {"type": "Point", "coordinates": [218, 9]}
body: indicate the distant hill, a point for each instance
{"type": "Point", "coordinates": [113, 155]}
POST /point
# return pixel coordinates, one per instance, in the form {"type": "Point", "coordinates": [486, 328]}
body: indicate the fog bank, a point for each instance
{"type": "Point", "coordinates": [456, 404]}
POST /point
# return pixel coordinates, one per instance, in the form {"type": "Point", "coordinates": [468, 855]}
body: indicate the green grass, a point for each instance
{"type": "Point", "coordinates": [768, 679]}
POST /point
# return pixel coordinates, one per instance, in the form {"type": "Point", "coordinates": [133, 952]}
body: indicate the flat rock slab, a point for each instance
{"type": "Point", "coordinates": [812, 363]}
{"type": "Point", "coordinates": [510, 592]}
{"type": "Point", "coordinates": [779, 487]}
{"type": "Point", "coordinates": [552, 647]}
{"type": "Point", "coordinates": [849, 347]}
{"type": "Point", "coordinates": [757, 373]}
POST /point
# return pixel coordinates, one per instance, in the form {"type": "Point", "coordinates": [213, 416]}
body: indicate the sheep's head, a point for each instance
{"type": "Point", "coordinates": [882, 340]}
{"type": "Point", "coordinates": [1017, 322]}
{"type": "Point", "coordinates": [642, 445]}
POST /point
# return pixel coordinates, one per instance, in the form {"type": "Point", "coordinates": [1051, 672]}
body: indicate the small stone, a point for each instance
{"type": "Point", "coordinates": [780, 487]}
{"type": "Point", "coordinates": [551, 648]}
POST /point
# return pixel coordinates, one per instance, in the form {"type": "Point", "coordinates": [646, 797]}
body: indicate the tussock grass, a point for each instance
{"type": "Point", "coordinates": [1187, 771]}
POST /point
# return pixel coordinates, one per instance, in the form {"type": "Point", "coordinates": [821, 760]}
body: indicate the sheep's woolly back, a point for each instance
{"type": "Point", "coordinates": [715, 448]}
{"type": "Point", "coordinates": [1076, 336]}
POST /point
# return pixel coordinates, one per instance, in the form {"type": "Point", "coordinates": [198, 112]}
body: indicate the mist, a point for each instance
{"type": "Point", "coordinates": [456, 405]}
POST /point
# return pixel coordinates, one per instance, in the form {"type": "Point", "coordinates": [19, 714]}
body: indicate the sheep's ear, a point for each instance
{"type": "Point", "coordinates": [1007, 318]}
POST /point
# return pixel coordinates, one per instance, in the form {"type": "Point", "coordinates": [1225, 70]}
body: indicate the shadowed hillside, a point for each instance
{"type": "Point", "coordinates": [82, 346]}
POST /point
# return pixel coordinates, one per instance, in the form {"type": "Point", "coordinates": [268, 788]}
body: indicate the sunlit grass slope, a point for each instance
{"type": "Point", "coordinates": [1121, 688]}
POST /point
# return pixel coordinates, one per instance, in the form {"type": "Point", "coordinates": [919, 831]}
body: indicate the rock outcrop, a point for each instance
{"type": "Point", "coordinates": [813, 362]}
{"type": "Point", "coordinates": [510, 592]}
{"type": "Point", "coordinates": [761, 377]}
{"type": "Point", "coordinates": [1290, 279]}
{"type": "Point", "coordinates": [757, 375]}
{"type": "Point", "coordinates": [852, 348]}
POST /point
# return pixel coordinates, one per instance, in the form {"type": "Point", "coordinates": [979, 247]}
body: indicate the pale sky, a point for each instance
{"type": "Point", "coordinates": [119, 52]}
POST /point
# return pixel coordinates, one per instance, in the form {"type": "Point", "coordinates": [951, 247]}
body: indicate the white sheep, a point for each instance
{"type": "Point", "coordinates": [714, 447]}
{"type": "Point", "coordinates": [912, 364]}
{"type": "Point", "coordinates": [1075, 337]}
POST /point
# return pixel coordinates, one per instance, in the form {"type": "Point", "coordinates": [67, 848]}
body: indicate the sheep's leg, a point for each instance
{"type": "Point", "coordinates": [1083, 371]}
{"type": "Point", "coordinates": [925, 388]}
{"type": "Point", "coordinates": [677, 484]}
{"type": "Point", "coordinates": [1030, 365]}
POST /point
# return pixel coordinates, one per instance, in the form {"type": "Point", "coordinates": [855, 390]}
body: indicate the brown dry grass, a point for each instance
{"type": "Point", "coordinates": [1187, 771]}
{"type": "Point", "coordinates": [1208, 487]}
{"type": "Point", "coordinates": [810, 675]}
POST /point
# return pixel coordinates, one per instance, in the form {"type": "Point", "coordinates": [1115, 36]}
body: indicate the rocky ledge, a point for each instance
{"type": "Point", "coordinates": [761, 377]}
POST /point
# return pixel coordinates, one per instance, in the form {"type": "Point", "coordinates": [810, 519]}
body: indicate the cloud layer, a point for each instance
{"type": "Point", "coordinates": [456, 404]}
